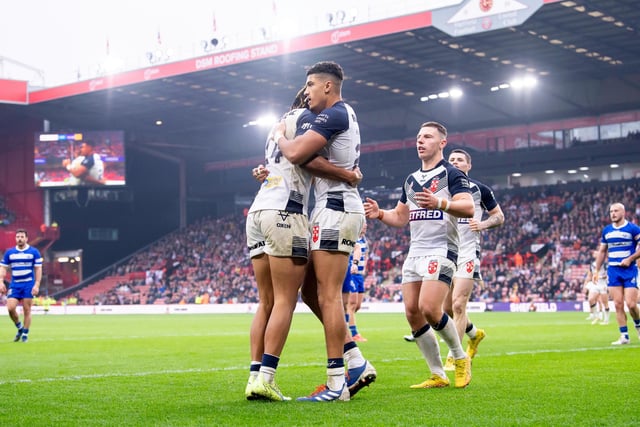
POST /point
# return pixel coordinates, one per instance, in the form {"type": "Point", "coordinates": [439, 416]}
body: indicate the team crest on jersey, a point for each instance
{"type": "Point", "coordinates": [486, 5]}
{"type": "Point", "coordinates": [434, 184]}
{"type": "Point", "coordinates": [469, 266]}
{"type": "Point", "coordinates": [315, 233]}
{"type": "Point", "coordinates": [433, 266]}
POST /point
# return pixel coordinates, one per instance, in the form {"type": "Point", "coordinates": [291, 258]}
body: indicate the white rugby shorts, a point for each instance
{"type": "Point", "coordinates": [277, 233]}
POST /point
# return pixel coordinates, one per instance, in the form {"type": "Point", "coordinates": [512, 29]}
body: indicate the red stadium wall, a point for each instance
{"type": "Point", "coordinates": [16, 180]}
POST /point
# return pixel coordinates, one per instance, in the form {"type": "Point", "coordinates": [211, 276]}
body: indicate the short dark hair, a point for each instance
{"type": "Point", "coordinates": [327, 67]}
{"type": "Point", "coordinates": [89, 142]}
{"type": "Point", "coordinates": [439, 126]}
{"type": "Point", "coordinates": [22, 230]}
{"type": "Point", "coordinates": [463, 152]}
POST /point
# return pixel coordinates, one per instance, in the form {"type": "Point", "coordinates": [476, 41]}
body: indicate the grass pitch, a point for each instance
{"type": "Point", "coordinates": [533, 369]}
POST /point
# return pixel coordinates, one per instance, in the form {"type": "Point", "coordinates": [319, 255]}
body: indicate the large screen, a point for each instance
{"type": "Point", "coordinates": [69, 159]}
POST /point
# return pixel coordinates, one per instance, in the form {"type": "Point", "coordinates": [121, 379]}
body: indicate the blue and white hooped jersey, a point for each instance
{"type": "Point", "coordinates": [621, 242]}
{"type": "Point", "coordinates": [434, 232]}
{"type": "Point", "coordinates": [364, 247]}
{"type": "Point", "coordinates": [287, 186]}
{"type": "Point", "coordinates": [339, 126]}
{"type": "Point", "coordinates": [22, 263]}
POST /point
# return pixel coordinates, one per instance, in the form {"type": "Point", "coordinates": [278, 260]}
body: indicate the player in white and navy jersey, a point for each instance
{"type": "Point", "coordinates": [595, 284]}
{"type": "Point", "coordinates": [336, 222]}
{"type": "Point", "coordinates": [620, 243]}
{"type": "Point", "coordinates": [468, 266]}
{"type": "Point", "coordinates": [277, 238]}
{"type": "Point", "coordinates": [25, 263]}
{"type": "Point", "coordinates": [87, 168]}
{"type": "Point", "coordinates": [433, 197]}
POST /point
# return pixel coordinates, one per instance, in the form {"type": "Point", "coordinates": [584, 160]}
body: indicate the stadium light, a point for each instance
{"type": "Point", "coordinates": [264, 121]}
{"type": "Point", "coordinates": [526, 82]}
{"type": "Point", "coordinates": [453, 93]}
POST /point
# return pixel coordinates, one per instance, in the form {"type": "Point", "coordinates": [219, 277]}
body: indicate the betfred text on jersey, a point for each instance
{"type": "Point", "coordinates": [425, 214]}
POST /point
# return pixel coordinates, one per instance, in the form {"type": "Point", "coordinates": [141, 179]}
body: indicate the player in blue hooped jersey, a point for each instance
{"type": "Point", "coordinates": [25, 263]}
{"type": "Point", "coordinates": [619, 242]}
{"type": "Point", "coordinates": [353, 286]}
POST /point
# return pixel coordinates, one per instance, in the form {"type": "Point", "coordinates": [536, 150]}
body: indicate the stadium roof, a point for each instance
{"type": "Point", "coordinates": [584, 54]}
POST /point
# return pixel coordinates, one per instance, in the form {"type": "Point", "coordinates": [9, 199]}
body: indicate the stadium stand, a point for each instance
{"type": "Point", "coordinates": [541, 253]}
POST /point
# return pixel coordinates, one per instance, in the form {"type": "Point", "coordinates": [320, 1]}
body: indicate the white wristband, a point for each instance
{"type": "Point", "coordinates": [439, 206]}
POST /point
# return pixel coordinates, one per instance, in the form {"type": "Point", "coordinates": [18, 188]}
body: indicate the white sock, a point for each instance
{"type": "Point", "coordinates": [430, 349]}
{"type": "Point", "coordinates": [335, 378]}
{"type": "Point", "coordinates": [267, 373]}
{"type": "Point", "coordinates": [472, 333]}
{"type": "Point", "coordinates": [354, 358]}
{"type": "Point", "coordinates": [450, 335]}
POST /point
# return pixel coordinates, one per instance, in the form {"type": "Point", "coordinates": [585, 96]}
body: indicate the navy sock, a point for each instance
{"type": "Point", "coordinates": [443, 322]}
{"type": "Point", "coordinates": [624, 331]}
{"type": "Point", "coordinates": [335, 363]}
{"type": "Point", "coordinates": [270, 361]}
{"type": "Point", "coordinates": [421, 331]}
{"type": "Point", "coordinates": [348, 346]}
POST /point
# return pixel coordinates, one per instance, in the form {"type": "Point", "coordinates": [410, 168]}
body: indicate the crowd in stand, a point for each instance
{"type": "Point", "coordinates": [548, 232]}
{"type": "Point", "coordinates": [207, 262]}
{"type": "Point", "coordinates": [7, 217]}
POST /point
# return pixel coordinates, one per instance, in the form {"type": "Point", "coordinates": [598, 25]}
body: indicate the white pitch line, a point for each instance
{"type": "Point", "coordinates": [240, 368]}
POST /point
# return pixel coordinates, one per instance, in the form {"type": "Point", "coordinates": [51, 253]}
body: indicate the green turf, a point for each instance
{"type": "Point", "coordinates": [534, 369]}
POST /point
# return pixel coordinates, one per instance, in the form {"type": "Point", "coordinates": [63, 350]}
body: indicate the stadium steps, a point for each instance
{"type": "Point", "coordinates": [101, 287]}
{"type": "Point", "coordinates": [578, 272]}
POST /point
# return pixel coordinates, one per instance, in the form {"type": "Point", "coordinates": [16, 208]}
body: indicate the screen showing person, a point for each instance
{"type": "Point", "coordinates": [93, 158]}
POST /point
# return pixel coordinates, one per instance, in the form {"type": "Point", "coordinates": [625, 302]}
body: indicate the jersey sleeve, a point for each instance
{"type": "Point", "coordinates": [37, 261]}
{"type": "Point", "coordinates": [5, 260]}
{"type": "Point", "coordinates": [88, 162]}
{"type": "Point", "coordinates": [458, 181]}
{"type": "Point", "coordinates": [331, 121]}
{"type": "Point", "coordinates": [487, 198]}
